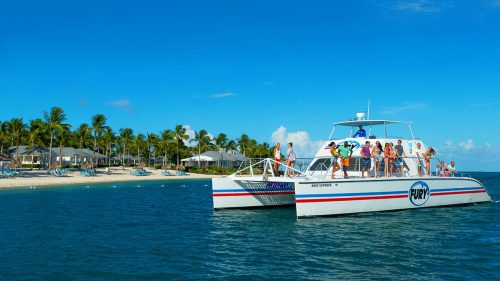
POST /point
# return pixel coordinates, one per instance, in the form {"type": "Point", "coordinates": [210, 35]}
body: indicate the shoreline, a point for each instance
{"type": "Point", "coordinates": [40, 178]}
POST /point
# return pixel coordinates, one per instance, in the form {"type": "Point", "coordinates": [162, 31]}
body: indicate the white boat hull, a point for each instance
{"type": "Point", "coordinates": [230, 192]}
{"type": "Point", "coordinates": [314, 198]}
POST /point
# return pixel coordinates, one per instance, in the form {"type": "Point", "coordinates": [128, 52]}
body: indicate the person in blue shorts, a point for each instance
{"type": "Point", "coordinates": [367, 160]}
{"type": "Point", "coordinates": [398, 162]}
{"type": "Point", "coordinates": [361, 133]}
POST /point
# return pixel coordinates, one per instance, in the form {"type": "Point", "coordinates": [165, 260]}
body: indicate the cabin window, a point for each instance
{"type": "Point", "coordinates": [321, 165]}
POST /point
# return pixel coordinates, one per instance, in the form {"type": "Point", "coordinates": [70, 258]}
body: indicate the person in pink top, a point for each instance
{"type": "Point", "coordinates": [367, 160]}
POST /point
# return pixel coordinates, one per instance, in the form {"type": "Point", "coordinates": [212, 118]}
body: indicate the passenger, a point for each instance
{"type": "Point", "coordinates": [377, 156]}
{"type": "Point", "coordinates": [418, 155]}
{"type": "Point", "coordinates": [443, 171]}
{"type": "Point", "coordinates": [392, 158]}
{"type": "Point", "coordinates": [398, 162]}
{"type": "Point", "coordinates": [290, 160]}
{"type": "Point", "coordinates": [438, 169]}
{"type": "Point", "coordinates": [367, 160]}
{"type": "Point", "coordinates": [452, 168]}
{"type": "Point", "coordinates": [428, 156]}
{"type": "Point", "coordinates": [335, 159]}
{"type": "Point", "coordinates": [345, 152]}
{"type": "Point", "coordinates": [387, 155]}
{"type": "Point", "coordinates": [361, 133]}
{"type": "Point", "coordinates": [277, 157]}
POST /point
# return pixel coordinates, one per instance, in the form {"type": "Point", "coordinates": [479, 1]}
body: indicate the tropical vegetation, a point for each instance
{"type": "Point", "coordinates": [166, 147]}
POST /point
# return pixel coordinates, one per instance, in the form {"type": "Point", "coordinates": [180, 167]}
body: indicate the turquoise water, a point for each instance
{"type": "Point", "coordinates": [167, 230]}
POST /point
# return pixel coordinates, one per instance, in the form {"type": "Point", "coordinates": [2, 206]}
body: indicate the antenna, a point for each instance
{"type": "Point", "coordinates": [368, 113]}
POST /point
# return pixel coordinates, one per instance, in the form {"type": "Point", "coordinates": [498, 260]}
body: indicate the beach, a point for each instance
{"type": "Point", "coordinates": [40, 178]}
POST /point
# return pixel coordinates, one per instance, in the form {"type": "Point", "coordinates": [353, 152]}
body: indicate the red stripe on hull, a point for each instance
{"type": "Point", "coordinates": [457, 192]}
{"type": "Point", "coordinates": [350, 199]}
{"type": "Point", "coordinates": [253, 194]}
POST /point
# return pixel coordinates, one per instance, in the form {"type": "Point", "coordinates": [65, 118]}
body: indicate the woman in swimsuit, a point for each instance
{"type": "Point", "coordinates": [335, 159]}
{"type": "Point", "coordinates": [428, 155]}
{"type": "Point", "coordinates": [392, 158]}
{"type": "Point", "coordinates": [387, 155]}
{"type": "Point", "coordinates": [277, 157]}
{"type": "Point", "coordinates": [377, 155]}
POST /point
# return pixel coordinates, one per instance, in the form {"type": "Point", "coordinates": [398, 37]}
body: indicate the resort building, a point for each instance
{"type": "Point", "coordinates": [70, 156]}
{"type": "Point", "coordinates": [226, 159]}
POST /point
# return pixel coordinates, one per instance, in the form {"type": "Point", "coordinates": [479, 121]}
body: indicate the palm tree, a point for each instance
{"type": "Point", "coordinates": [243, 143]}
{"type": "Point", "coordinates": [108, 138]}
{"type": "Point", "coordinates": [203, 141]}
{"type": "Point", "coordinates": [167, 136]}
{"type": "Point", "coordinates": [54, 123]}
{"type": "Point", "coordinates": [34, 131]}
{"type": "Point", "coordinates": [4, 128]}
{"type": "Point", "coordinates": [232, 146]}
{"type": "Point", "coordinates": [98, 125]}
{"type": "Point", "coordinates": [64, 136]}
{"type": "Point", "coordinates": [220, 144]}
{"type": "Point", "coordinates": [17, 129]}
{"type": "Point", "coordinates": [180, 135]}
{"type": "Point", "coordinates": [139, 143]}
{"type": "Point", "coordinates": [126, 137]}
{"type": "Point", "coordinates": [83, 138]}
{"type": "Point", "coordinates": [152, 143]}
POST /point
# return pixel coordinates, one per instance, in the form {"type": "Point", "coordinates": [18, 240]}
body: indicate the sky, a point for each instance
{"type": "Point", "coordinates": [275, 70]}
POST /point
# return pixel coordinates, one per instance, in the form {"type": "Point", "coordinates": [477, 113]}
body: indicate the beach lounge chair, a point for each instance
{"type": "Point", "coordinates": [181, 173]}
{"type": "Point", "coordinates": [167, 173]}
{"type": "Point", "coordinates": [87, 173]}
{"type": "Point", "coordinates": [57, 173]}
{"type": "Point", "coordinates": [139, 172]}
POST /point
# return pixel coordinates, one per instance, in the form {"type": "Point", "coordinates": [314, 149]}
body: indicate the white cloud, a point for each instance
{"type": "Point", "coordinates": [191, 133]}
{"type": "Point", "coordinates": [123, 104]}
{"type": "Point", "coordinates": [468, 145]}
{"type": "Point", "coordinates": [403, 108]}
{"type": "Point", "coordinates": [222, 95]}
{"type": "Point", "coordinates": [303, 145]}
{"type": "Point", "coordinates": [469, 156]}
{"type": "Point", "coordinates": [418, 6]}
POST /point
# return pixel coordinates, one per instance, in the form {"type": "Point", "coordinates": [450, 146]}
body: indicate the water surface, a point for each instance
{"type": "Point", "coordinates": [167, 230]}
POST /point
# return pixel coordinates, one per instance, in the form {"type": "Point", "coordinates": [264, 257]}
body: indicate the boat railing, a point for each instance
{"type": "Point", "coordinates": [267, 167]}
{"type": "Point", "coordinates": [321, 170]}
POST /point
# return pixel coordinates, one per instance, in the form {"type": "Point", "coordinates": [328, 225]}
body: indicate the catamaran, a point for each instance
{"type": "Point", "coordinates": [314, 193]}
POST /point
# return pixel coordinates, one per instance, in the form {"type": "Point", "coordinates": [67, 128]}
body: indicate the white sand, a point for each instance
{"type": "Point", "coordinates": [40, 178]}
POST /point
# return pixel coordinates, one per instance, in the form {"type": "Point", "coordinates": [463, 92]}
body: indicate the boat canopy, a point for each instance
{"type": "Point", "coordinates": [370, 123]}
{"type": "Point", "coordinates": [357, 123]}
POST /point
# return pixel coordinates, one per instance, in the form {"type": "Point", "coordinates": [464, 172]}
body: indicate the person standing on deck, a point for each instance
{"type": "Point", "coordinates": [417, 153]}
{"type": "Point", "coordinates": [367, 160]}
{"type": "Point", "coordinates": [290, 160]}
{"type": "Point", "coordinates": [377, 156]}
{"type": "Point", "coordinates": [428, 156]}
{"type": "Point", "coordinates": [398, 162]}
{"type": "Point", "coordinates": [277, 157]}
{"type": "Point", "coordinates": [387, 155]}
{"type": "Point", "coordinates": [361, 133]}
{"type": "Point", "coordinates": [345, 152]}
{"type": "Point", "coordinates": [335, 158]}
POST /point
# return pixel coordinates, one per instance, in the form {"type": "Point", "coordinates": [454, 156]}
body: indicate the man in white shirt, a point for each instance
{"type": "Point", "coordinates": [418, 154]}
{"type": "Point", "coordinates": [452, 168]}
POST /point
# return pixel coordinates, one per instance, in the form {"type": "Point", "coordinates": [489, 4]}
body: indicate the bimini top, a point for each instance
{"type": "Point", "coordinates": [356, 123]}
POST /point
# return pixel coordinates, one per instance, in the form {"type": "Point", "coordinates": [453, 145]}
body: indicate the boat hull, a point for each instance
{"type": "Point", "coordinates": [230, 192]}
{"type": "Point", "coordinates": [326, 198]}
